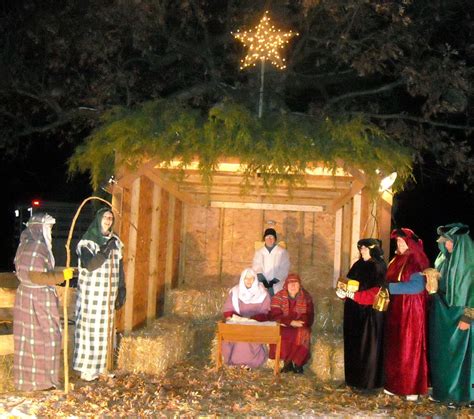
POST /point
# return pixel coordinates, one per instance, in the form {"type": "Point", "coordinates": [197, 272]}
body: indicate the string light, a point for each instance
{"type": "Point", "coordinates": [264, 43]}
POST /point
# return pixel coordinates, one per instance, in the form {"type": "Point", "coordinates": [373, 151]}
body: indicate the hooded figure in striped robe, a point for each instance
{"type": "Point", "coordinates": [101, 277]}
{"type": "Point", "coordinates": [36, 325]}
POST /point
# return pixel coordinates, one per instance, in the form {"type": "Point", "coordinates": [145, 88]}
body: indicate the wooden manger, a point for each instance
{"type": "Point", "coordinates": [263, 334]}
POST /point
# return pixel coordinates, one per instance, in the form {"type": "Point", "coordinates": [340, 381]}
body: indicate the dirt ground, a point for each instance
{"type": "Point", "coordinates": [195, 389]}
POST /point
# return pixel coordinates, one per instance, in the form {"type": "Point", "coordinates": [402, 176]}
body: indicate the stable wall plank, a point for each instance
{"type": "Point", "coordinates": [355, 234]}
{"type": "Point", "coordinates": [346, 237]}
{"type": "Point", "coordinates": [140, 293]}
{"type": "Point", "coordinates": [122, 198]}
{"type": "Point", "coordinates": [153, 254]}
{"type": "Point", "coordinates": [131, 255]}
{"type": "Point", "coordinates": [366, 219]}
{"type": "Point", "coordinates": [384, 219]}
{"type": "Point", "coordinates": [169, 244]}
{"type": "Point", "coordinates": [337, 246]}
{"type": "Point", "coordinates": [176, 242]}
{"type": "Point", "coordinates": [162, 246]}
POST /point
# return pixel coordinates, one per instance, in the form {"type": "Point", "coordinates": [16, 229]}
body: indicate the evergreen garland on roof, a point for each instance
{"type": "Point", "coordinates": [279, 146]}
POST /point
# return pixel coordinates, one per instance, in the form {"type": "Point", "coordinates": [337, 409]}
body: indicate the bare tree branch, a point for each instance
{"type": "Point", "coordinates": [64, 119]}
{"type": "Point", "coordinates": [414, 119]}
{"type": "Point", "coordinates": [375, 91]}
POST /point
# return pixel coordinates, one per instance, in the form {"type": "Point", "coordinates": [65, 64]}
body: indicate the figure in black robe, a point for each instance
{"type": "Point", "coordinates": [363, 326]}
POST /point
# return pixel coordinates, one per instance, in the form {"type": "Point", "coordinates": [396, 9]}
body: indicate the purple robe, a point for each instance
{"type": "Point", "coordinates": [252, 355]}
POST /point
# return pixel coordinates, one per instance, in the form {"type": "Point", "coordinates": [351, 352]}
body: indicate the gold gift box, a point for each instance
{"type": "Point", "coordinates": [346, 284]}
{"type": "Point", "coordinates": [382, 300]}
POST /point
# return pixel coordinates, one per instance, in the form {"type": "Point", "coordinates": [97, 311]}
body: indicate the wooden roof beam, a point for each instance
{"type": "Point", "coordinates": [126, 180]}
{"type": "Point", "coordinates": [356, 187]}
{"type": "Point", "coordinates": [325, 203]}
{"type": "Point", "coordinates": [173, 188]}
{"type": "Point", "coordinates": [276, 193]}
{"type": "Point", "coordinates": [356, 173]}
{"type": "Point", "coordinates": [267, 206]}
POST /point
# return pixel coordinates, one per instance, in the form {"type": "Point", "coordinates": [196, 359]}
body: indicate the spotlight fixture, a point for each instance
{"type": "Point", "coordinates": [387, 182]}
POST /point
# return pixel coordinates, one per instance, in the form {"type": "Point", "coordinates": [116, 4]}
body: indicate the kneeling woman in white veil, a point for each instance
{"type": "Point", "coordinates": [251, 300]}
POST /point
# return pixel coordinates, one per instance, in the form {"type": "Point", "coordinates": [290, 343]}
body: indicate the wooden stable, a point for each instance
{"type": "Point", "coordinates": [178, 230]}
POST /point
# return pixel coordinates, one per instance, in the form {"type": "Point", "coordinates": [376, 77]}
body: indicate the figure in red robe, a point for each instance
{"type": "Point", "coordinates": [405, 360]}
{"type": "Point", "coordinates": [293, 308]}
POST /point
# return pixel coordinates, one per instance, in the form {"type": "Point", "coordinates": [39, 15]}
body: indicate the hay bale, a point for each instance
{"type": "Point", "coordinates": [327, 357]}
{"type": "Point", "coordinates": [152, 350]}
{"type": "Point", "coordinates": [204, 338]}
{"type": "Point", "coordinates": [6, 361]}
{"type": "Point", "coordinates": [6, 314]}
{"type": "Point", "coordinates": [337, 360]}
{"type": "Point", "coordinates": [320, 362]}
{"type": "Point", "coordinates": [194, 304]}
{"type": "Point", "coordinates": [329, 311]}
{"type": "Point", "coordinates": [6, 372]}
{"type": "Point", "coordinates": [322, 317]}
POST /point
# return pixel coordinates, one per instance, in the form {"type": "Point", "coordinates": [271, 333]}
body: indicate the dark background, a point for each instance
{"type": "Point", "coordinates": [422, 206]}
{"type": "Point", "coordinates": [41, 176]}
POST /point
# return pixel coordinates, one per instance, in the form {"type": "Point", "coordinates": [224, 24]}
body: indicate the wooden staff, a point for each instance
{"type": "Point", "coordinates": [66, 292]}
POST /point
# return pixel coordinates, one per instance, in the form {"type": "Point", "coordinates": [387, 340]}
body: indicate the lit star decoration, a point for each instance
{"type": "Point", "coordinates": [264, 43]}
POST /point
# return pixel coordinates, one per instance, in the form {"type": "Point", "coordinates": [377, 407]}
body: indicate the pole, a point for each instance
{"type": "Point", "coordinates": [262, 80]}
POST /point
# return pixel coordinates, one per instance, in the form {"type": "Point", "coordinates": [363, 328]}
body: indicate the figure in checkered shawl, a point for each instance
{"type": "Point", "coordinates": [100, 290]}
{"type": "Point", "coordinates": [36, 326]}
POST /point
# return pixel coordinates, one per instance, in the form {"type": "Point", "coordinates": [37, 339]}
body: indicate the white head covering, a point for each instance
{"type": "Point", "coordinates": [253, 295]}
{"type": "Point", "coordinates": [47, 222]}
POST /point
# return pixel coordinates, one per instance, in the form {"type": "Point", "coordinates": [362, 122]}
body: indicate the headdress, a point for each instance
{"type": "Point", "coordinates": [94, 232]}
{"type": "Point", "coordinates": [457, 268]}
{"type": "Point", "coordinates": [374, 246]}
{"type": "Point", "coordinates": [253, 295]}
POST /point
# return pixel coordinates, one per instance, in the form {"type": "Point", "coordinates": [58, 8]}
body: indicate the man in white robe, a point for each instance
{"type": "Point", "coordinates": [271, 263]}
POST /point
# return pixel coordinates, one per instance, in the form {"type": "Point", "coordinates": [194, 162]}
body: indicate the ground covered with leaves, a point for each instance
{"type": "Point", "coordinates": [194, 389]}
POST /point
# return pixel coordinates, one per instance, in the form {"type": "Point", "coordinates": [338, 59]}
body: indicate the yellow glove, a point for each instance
{"type": "Point", "coordinates": [68, 273]}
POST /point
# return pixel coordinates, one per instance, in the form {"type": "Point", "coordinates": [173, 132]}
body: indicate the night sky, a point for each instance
{"type": "Point", "coordinates": [39, 173]}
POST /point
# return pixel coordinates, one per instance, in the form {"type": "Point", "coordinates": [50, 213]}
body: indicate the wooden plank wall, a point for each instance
{"type": "Point", "coordinates": [219, 243]}
{"type": "Point", "coordinates": [151, 229]}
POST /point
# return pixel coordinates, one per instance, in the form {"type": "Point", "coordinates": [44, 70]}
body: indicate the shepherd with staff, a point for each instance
{"type": "Point", "coordinates": [36, 323]}
{"type": "Point", "coordinates": [100, 291]}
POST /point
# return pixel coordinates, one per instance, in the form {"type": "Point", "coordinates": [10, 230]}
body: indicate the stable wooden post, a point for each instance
{"type": "Point", "coordinates": [131, 255]}
{"type": "Point", "coordinates": [384, 218]}
{"type": "Point", "coordinates": [346, 237]}
{"type": "Point", "coordinates": [153, 254]}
